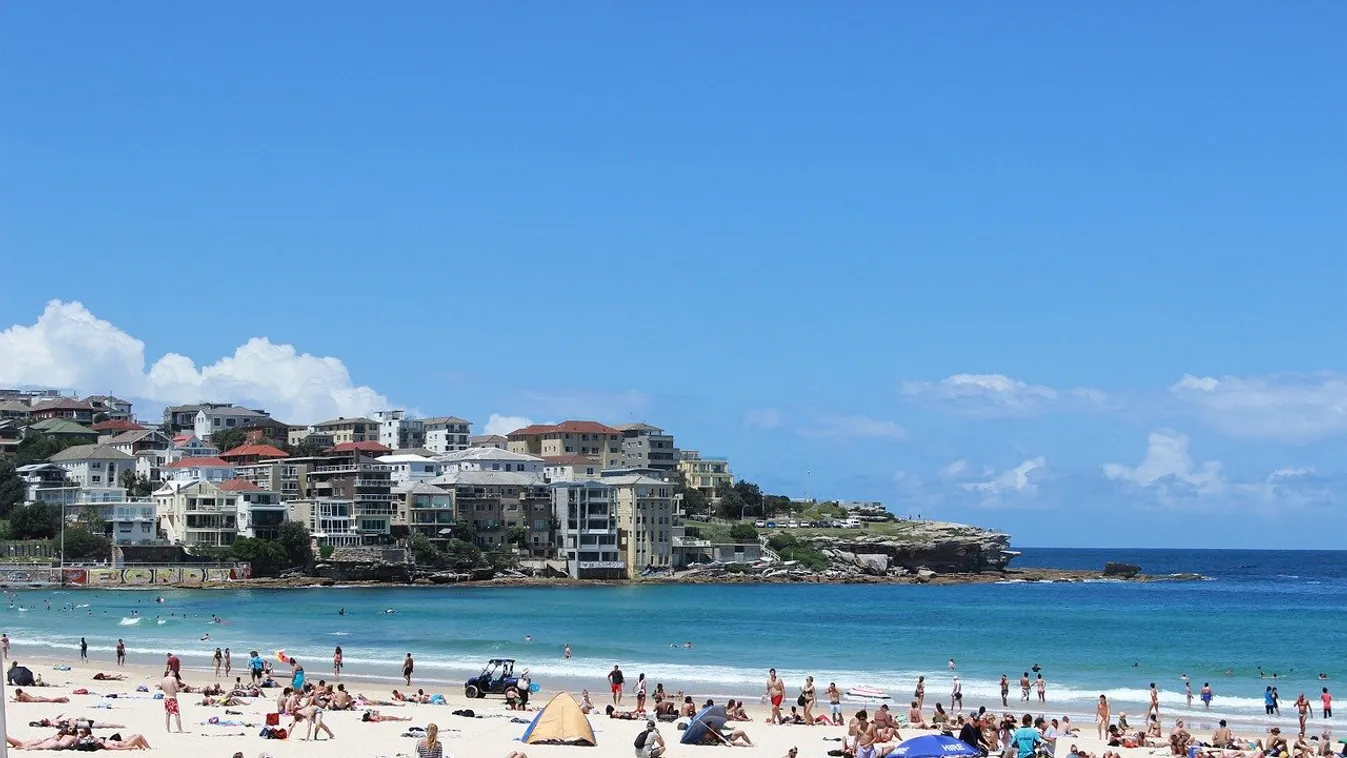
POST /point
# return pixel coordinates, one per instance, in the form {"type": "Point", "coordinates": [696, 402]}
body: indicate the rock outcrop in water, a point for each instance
{"type": "Point", "coordinates": [934, 546]}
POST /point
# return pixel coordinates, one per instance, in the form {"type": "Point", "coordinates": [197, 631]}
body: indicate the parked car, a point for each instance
{"type": "Point", "coordinates": [760, 524]}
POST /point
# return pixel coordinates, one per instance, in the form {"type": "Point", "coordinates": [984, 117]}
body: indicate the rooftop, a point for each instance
{"type": "Point", "coordinates": [238, 485]}
{"type": "Point", "coordinates": [491, 478]}
{"type": "Point", "coordinates": [405, 458]}
{"type": "Point", "coordinates": [233, 410]}
{"type": "Point", "coordinates": [261, 451]}
{"type": "Point", "coordinates": [420, 488]}
{"type": "Point", "coordinates": [134, 435]}
{"type": "Point", "coordinates": [91, 452]}
{"type": "Point", "coordinates": [342, 421]}
{"type": "Point", "coordinates": [569, 426]}
{"type": "Point", "coordinates": [117, 425]}
{"type": "Point", "coordinates": [62, 404]}
{"type": "Point", "coordinates": [487, 454]}
{"type": "Point", "coordinates": [368, 446]}
{"type": "Point", "coordinates": [62, 426]}
{"type": "Point", "coordinates": [199, 462]}
{"type": "Point", "coordinates": [445, 420]}
{"type": "Point", "coordinates": [631, 479]}
{"type": "Point", "coordinates": [639, 428]}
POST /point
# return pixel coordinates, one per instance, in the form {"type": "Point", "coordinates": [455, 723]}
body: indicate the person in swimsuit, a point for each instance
{"type": "Point", "coordinates": [1005, 691]}
{"type": "Point", "coordinates": [920, 692]}
{"type": "Point", "coordinates": [336, 662]}
{"type": "Point", "coordinates": [866, 737]}
{"type": "Point", "coordinates": [1205, 694]}
{"type": "Point", "coordinates": [776, 693]}
{"type": "Point", "coordinates": [615, 680]}
{"type": "Point", "coordinates": [1101, 716]}
{"type": "Point", "coordinates": [219, 661]}
{"type": "Point", "coordinates": [171, 685]}
{"type": "Point", "coordinates": [229, 663]}
{"type": "Point", "coordinates": [23, 697]}
{"type": "Point", "coordinates": [835, 703]}
{"type": "Point", "coordinates": [408, 665]}
{"type": "Point", "coordinates": [808, 697]}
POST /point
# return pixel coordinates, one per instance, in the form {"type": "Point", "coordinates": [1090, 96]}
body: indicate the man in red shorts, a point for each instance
{"type": "Point", "coordinates": [171, 686]}
{"type": "Point", "coordinates": [615, 680]}
{"type": "Point", "coordinates": [776, 692]}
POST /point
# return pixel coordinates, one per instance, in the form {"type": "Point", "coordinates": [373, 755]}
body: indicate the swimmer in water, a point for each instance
{"type": "Point", "coordinates": [341, 612]}
{"type": "Point", "coordinates": [528, 638]}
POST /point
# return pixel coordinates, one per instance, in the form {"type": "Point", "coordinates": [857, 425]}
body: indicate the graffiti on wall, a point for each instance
{"type": "Point", "coordinates": [115, 577]}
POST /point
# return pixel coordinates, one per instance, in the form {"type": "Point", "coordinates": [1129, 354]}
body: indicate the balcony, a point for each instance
{"type": "Point", "coordinates": [601, 564]}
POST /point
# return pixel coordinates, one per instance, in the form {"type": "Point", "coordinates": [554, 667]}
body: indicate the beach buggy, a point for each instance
{"type": "Point", "coordinates": [495, 679]}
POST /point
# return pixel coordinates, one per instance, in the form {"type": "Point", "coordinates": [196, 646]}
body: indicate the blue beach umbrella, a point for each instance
{"type": "Point", "coordinates": [933, 746]}
{"type": "Point", "coordinates": [712, 718]}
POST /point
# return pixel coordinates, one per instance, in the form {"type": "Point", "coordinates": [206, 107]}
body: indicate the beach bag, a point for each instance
{"type": "Point", "coordinates": [273, 719]}
{"type": "Point", "coordinates": [800, 700]}
{"type": "Point", "coordinates": [640, 740]}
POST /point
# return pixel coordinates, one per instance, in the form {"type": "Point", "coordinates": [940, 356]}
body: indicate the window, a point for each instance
{"type": "Point", "coordinates": [96, 478]}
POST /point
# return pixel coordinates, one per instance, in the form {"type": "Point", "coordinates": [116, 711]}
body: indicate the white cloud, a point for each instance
{"type": "Point", "coordinates": [763, 418]}
{"type": "Point", "coordinates": [1294, 408]}
{"type": "Point", "coordinates": [503, 425]}
{"type": "Point", "coordinates": [68, 347]}
{"type": "Point", "coordinates": [1020, 479]}
{"type": "Point", "coordinates": [998, 395]}
{"type": "Point", "coordinates": [954, 470]}
{"type": "Point", "coordinates": [1167, 465]}
{"type": "Point", "coordinates": [856, 426]}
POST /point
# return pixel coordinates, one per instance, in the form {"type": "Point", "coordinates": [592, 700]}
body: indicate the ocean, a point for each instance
{"type": "Point", "coordinates": [1278, 611]}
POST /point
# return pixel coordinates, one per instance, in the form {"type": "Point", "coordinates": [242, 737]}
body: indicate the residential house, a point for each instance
{"type": "Point", "coordinates": [342, 430]}
{"type": "Point", "coordinates": [397, 431]}
{"type": "Point", "coordinates": [39, 478]}
{"type": "Point", "coordinates": [111, 406]}
{"type": "Point", "coordinates": [115, 426]}
{"type": "Point", "coordinates": [150, 463]}
{"type": "Point", "coordinates": [706, 475]}
{"type": "Point", "coordinates": [649, 448]}
{"type": "Point", "coordinates": [489, 440]}
{"type": "Point", "coordinates": [252, 453]}
{"type": "Point", "coordinates": [260, 512]}
{"type": "Point", "coordinates": [63, 407]}
{"type": "Point", "coordinates": [428, 509]}
{"type": "Point", "coordinates": [28, 397]}
{"type": "Point", "coordinates": [407, 467]}
{"type": "Point", "coordinates": [215, 418]}
{"type": "Point", "coordinates": [93, 466]}
{"type": "Point", "coordinates": [15, 409]}
{"type": "Point", "coordinates": [139, 441]}
{"type": "Point", "coordinates": [570, 468]}
{"type": "Point", "coordinates": [11, 434]}
{"type": "Point", "coordinates": [587, 529]}
{"type": "Point", "coordinates": [446, 434]}
{"type": "Point", "coordinates": [182, 418]}
{"type": "Point", "coordinates": [348, 473]}
{"type": "Point", "coordinates": [589, 438]}
{"type": "Point", "coordinates": [184, 470]}
{"type": "Point", "coordinates": [645, 511]}
{"type": "Point", "coordinates": [331, 521]}
{"type": "Point", "coordinates": [490, 459]}
{"type": "Point", "coordinates": [299, 434]}
{"type": "Point", "coordinates": [65, 429]}
{"type": "Point", "coordinates": [197, 513]}
{"type": "Point", "coordinates": [496, 501]}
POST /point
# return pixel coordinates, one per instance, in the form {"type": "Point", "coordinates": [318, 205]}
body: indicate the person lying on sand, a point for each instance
{"type": "Point", "coordinates": [374, 717]}
{"type": "Point", "coordinates": [362, 701]}
{"type": "Point", "coordinates": [88, 742]}
{"type": "Point", "coordinates": [730, 737]}
{"type": "Point", "coordinates": [61, 722]}
{"type": "Point", "coordinates": [614, 713]}
{"type": "Point", "coordinates": [23, 697]}
{"type": "Point", "coordinates": [101, 677]}
{"type": "Point", "coordinates": [64, 739]}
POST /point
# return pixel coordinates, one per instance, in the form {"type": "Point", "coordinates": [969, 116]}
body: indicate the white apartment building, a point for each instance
{"type": "Point", "coordinates": [397, 431]}
{"type": "Point", "coordinates": [587, 530]}
{"type": "Point", "coordinates": [93, 465]}
{"type": "Point", "coordinates": [446, 434]}
{"type": "Point", "coordinates": [331, 521]}
{"type": "Point", "coordinates": [197, 469]}
{"type": "Point", "coordinates": [490, 459]}
{"type": "Point", "coordinates": [571, 468]}
{"type": "Point", "coordinates": [210, 420]}
{"type": "Point", "coordinates": [408, 468]}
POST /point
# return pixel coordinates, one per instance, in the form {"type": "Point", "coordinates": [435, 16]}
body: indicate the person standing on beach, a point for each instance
{"type": "Point", "coordinates": [171, 685]}
{"type": "Point", "coordinates": [807, 698]}
{"type": "Point", "coordinates": [336, 662]}
{"type": "Point", "coordinates": [640, 693]}
{"type": "Point", "coordinates": [615, 680]}
{"type": "Point", "coordinates": [835, 703]}
{"type": "Point", "coordinates": [776, 693]}
{"type": "Point", "coordinates": [174, 665]}
{"type": "Point", "coordinates": [1041, 685]}
{"type": "Point", "coordinates": [219, 661]}
{"type": "Point", "coordinates": [1327, 701]}
{"type": "Point", "coordinates": [956, 696]}
{"type": "Point", "coordinates": [1005, 691]}
{"type": "Point", "coordinates": [84, 649]}
{"type": "Point", "coordinates": [229, 664]}
{"type": "Point", "coordinates": [1268, 702]}
{"type": "Point", "coordinates": [1024, 687]}
{"type": "Point", "coordinates": [1154, 707]}
{"type": "Point", "coordinates": [255, 666]}
{"type": "Point", "coordinates": [1101, 716]}
{"type": "Point", "coordinates": [1188, 692]}
{"type": "Point", "coordinates": [121, 652]}
{"type": "Point", "coordinates": [4, 644]}
{"type": "Point", "coordinates": [866, 736]}
{"type": "Point", "coordinates": [1302, 710]}
{"type": "Point", "coordinates": [920, 692]}
{"type": "Point", "coordinates": [408, 665]}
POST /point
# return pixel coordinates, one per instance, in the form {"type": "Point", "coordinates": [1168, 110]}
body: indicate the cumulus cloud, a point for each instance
{"type": "Point", "coordinates": [503, 425]}
{"type": "Point", "coordinates": [69, 347]}
{"type": "Point", "coordinates": [1294, 408]}
{"type": "Point", "coordinates": [998, 395]}
{"type": "Point", "coordinates": [843, 426]}
{"type": "Point", "coordinates": [1020, 479]}
{"type": "Point", "coordinates": [1167, 465]}
{"type": "Point", "coordinates": [954, 470]}
{"type": "Point", "coordinates": [763, 418]}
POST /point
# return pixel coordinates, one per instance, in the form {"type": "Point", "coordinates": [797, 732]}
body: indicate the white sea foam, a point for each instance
{"type": "Point", "coordinates": [129, 621]}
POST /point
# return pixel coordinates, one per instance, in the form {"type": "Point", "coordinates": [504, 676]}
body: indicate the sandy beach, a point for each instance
{"type": "Point", "coordinates": [495, 735]}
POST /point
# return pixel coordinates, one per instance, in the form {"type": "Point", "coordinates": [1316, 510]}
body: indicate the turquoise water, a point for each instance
{"type": "Point", "coordinates": [1277, 610]}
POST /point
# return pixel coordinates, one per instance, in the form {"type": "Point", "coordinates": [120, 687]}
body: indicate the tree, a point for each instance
{"type": "Point", "coordinates": [517, 535]}
{"type": "Point", "coordinates": [463, 530]}
{"type": "Point", "coordinates": [293, 538]}
{"type": "Point", "coordinates": [228, 439]}
{"type": "Point", "coordinates": [694, 502]}
{"type": "Point", "coordinates": [39, 449]}
{"type": "Point", "coordinates": [751, 494]}
{"type": "Point", "coordinates": [38, 521]}
{"type": "Point", "coordinates": [266, 557]}
{"type": "Point", "coordinates": [81, 543]}
{"type": "Point", "coordinates": [100, 417]}
{"type": "Point", "coordinates": [136, 485]}
{"type": "Point", "coordinates": [462, 554]}
{"type": "Point", "coordinates": [743, 533]}
{"type": "Point", "coordinates": [307, 448]}
{"type": "Point", "coordinates": [13, 491]}
{"type": "Point", "coordinates": [729, 505]}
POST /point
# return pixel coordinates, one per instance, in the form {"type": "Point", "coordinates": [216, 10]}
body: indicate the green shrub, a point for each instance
{"type": "Point", "coordinates": [743, 533]}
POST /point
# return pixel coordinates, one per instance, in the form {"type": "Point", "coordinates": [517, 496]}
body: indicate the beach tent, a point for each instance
{"type": "Point", "coordinates": [560, 721]}
{"type": "Point", "coordinates": [711, 719]}
{"type": "Point", "coordinates": [933, 746]}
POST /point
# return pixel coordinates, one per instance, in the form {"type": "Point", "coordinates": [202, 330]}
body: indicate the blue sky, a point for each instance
{"type": "Point", "coordinates": [956, 258]}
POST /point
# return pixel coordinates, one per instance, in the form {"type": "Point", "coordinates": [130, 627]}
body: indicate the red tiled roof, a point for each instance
{"type": "Point", "coordinates": [183, 439]}
{"type": "Point", "coordinates": [211, 462]}
{"type": "Point", "coordinates": [262, 451]}
{"type": "Point", "coordinates": [531, 430]}
{"type": "Point", "coordinates": [590, 427]}
{"type": "Point", "coordinates": [238, 485]}
{"type": "Point", "coordinates": [117, 425]}
{"type": "Point", "coordinates": [368, 446]}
